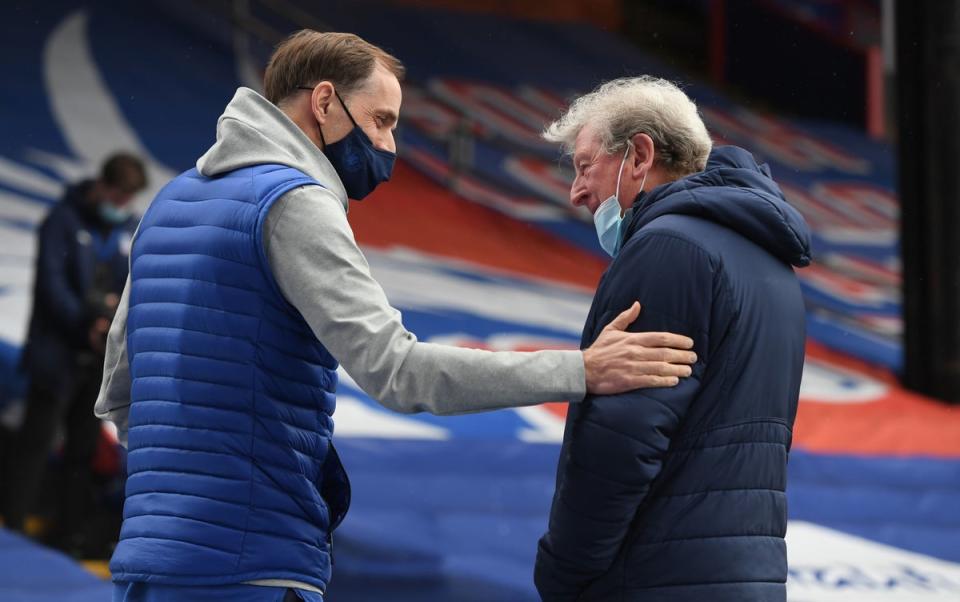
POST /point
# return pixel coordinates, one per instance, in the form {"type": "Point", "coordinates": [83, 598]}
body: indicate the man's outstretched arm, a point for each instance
{"type": "Point", "coordinates": [323, 273]}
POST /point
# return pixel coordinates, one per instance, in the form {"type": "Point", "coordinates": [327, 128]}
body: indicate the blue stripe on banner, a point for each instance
{"type": "Point", "coordinates": [859, 343]}
{"type": "Point", "coordinates": [910, 503]}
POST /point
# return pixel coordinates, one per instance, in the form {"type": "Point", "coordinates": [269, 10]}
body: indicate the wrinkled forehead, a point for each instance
{"type": "Point", "coordinates": [587, 143]}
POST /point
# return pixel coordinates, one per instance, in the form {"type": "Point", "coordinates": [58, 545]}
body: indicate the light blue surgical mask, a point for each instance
{"type": "Point", "coordinates": [609, 215]}
{"type": "Point", "coordinates": [112, 214]}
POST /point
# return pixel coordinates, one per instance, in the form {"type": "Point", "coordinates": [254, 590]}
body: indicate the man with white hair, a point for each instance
{"type": "Point", "coordinates": [679, 494]}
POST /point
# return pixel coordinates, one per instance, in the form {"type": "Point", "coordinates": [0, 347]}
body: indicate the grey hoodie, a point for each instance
{"type": "Point", "coordinates": [322, 272]}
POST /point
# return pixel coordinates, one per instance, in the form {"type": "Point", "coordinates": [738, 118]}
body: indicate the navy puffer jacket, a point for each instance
{"type": "Point", "coordinates": [679, 494]}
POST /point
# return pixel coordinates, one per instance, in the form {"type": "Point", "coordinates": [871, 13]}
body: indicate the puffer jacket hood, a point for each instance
{"type": "Point", "coordinates": [736, 192]}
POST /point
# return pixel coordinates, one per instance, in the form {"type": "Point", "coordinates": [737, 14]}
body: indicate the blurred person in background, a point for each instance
{"type": "Point", "coordinates": [246, 292]}
{"type": "Point", "coordinates": [82, 264]}
{"type": "Point", "coordinates": [679, 493]}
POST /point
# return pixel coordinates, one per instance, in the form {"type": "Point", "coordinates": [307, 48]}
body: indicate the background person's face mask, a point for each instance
{"type": "Point", "coordinates": [360, 165]}
{"type": "Point", "coordinates": [112, 214]}
{"type": "Point", "coordinates": [609, 215]}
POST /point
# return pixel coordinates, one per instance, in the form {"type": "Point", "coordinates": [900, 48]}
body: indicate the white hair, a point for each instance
{"type": "Point", "coordinates": [619, 109]}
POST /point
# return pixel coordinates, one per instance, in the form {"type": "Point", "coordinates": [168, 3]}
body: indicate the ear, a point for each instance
{"type": "Point", "coordinates": [320, 101]}
{"type": "Point", "coordinates": [643, 157]}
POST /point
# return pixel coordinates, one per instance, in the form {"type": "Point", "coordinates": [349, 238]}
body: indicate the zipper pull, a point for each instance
{"type": "Point", "coordinates": [330, 543]}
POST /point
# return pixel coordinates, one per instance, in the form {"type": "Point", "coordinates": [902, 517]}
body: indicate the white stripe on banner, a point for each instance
{"type": "Point", "coordinates": [83, 107]}
{"type": "Point", "coordinates": [830, 566]}
{"type": "Point", "coordinates": [29, 180]}
{"type": "Point", "coordinates": [417, 283]}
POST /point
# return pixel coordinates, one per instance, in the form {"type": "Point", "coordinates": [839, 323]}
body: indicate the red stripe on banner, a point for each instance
{"type": "Point", "coordinates": [897, 422]}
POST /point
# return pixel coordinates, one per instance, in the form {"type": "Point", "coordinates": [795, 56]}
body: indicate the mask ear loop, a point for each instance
{"type": "Point", "coordinates": [342, 104]}
{"type": "Point", "coordinates": [345, 109]}
{"type": "Point", "coordinates": [620, 174]}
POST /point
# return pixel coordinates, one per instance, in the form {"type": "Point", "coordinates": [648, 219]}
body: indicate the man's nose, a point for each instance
{"type": "Point", "coordinates": [388, 143]}
{"type": "Point", "coordinates": [578, 196]}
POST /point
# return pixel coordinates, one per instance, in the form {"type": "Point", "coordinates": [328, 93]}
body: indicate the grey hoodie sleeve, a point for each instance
{"type": "Point", "coordinates": [322, 272]}
{"type": "Point", "coordinates": [113, 403]}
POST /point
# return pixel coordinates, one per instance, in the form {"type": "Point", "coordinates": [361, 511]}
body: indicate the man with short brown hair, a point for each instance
{"type": "Point", "coordinates": [309, 56]}
{"type": "Point", "coordinates": [122, 176]}
{"type": "Point", "coordinates": [247, 290]}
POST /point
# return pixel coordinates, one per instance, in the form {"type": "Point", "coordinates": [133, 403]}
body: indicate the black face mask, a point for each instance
{"type": "Point", "coordinates": [360, 165]}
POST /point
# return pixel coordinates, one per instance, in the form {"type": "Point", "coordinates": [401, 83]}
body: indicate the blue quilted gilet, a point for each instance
{"type": "Point", "coordinates": [232, 476]}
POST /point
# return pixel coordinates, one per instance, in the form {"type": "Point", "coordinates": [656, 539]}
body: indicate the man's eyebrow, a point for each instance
{"type": "Point", "coordinates": [388, 116]}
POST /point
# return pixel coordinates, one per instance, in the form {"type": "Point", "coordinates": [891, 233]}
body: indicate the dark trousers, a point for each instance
{"type": "Point", "coordinates": [68, 402]}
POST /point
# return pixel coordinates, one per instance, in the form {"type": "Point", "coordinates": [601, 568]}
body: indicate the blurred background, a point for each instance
{"type": "Point", "coordinates": [853, 103]}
